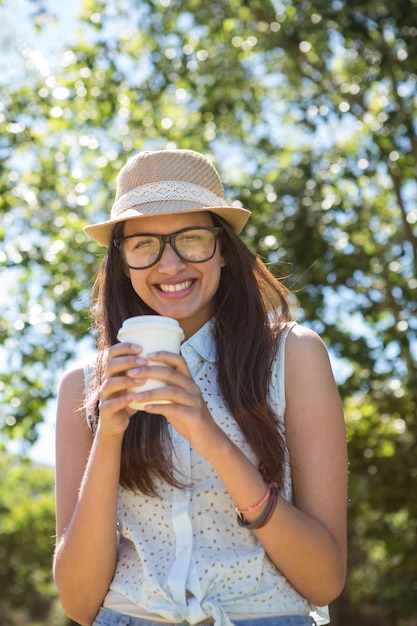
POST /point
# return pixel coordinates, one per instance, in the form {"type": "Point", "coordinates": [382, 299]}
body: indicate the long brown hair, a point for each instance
{"type": "Point", "coordinates": [248, 297]}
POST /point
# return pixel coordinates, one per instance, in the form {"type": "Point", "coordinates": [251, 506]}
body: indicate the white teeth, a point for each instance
{"type": "Point", "coordinates": [177, 287]}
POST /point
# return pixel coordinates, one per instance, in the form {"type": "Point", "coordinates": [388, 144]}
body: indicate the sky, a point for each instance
{"type": "Point", "coordinates": [18, 27]}
{"type": "Point", "coordinates": [18, 31]}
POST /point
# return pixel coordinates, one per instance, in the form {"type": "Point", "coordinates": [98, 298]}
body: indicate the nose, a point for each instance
{"type": "Point", "coordinates": [170, 263]}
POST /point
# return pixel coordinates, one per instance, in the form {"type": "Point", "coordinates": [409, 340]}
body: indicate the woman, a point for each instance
{"type": "Point", "coordinates": [228, 505]}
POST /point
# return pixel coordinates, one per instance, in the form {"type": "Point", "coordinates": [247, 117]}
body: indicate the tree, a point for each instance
{"type": "Point", "coordinates": [313, 104]}
{"type": "Point", "coordinates": [27, 529]}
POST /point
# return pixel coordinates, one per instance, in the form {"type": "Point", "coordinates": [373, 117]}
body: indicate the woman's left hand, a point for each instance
{"type": "Point", "coordinates": [187, 410]}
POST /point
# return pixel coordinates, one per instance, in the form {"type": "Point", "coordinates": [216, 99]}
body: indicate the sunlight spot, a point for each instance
{"type": "Point", "coordinates": [181, 94]}
{"type": "Point", "coordinates": [61, 93]}
{"type": "Point", "coordinates": [56, 112]}
{"type": "Point", "coordinates": [170, 53]}
{"type": "Point", "coordinates": [399, 425]}
{"type": "Point", "coordinates": [305, 46]}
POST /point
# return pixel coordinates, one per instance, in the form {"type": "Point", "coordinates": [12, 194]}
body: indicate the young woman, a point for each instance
{"type": "Point", "coordinates": [227, 504]}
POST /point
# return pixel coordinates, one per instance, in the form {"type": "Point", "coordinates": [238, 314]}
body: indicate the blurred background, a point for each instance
{"type": "Point", "coordinates": [309, 111]}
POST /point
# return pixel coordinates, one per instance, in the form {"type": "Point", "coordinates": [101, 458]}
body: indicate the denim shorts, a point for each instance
{"type": "Point", "coordinates": [106, 617]}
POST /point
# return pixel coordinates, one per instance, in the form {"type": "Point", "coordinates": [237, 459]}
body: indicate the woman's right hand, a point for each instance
{"type": "Point", "coordinates": [117, 387]}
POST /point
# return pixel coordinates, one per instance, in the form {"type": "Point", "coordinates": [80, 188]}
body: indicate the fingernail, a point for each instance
{"type": "Point", "coordinates": [135, 372]}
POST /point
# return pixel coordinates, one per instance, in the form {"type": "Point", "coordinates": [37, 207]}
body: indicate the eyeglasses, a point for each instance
{"type": "Point", "coordinates": [193, 245]}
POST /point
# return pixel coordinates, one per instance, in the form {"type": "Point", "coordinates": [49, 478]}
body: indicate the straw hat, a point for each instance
{"type": "Point", "coordinates": [167, 182]}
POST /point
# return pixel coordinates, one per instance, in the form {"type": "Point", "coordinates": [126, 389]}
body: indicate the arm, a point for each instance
{"type": "Point", "coordinates": [87, 479]}
{"type": "Point", "coordinates": [316, 440]}
{"type": "Point", "coordinates": [306, 539]}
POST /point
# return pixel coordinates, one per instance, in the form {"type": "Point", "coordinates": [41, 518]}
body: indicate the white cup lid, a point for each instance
{"type": "Point", "coordinates": [151, 321]}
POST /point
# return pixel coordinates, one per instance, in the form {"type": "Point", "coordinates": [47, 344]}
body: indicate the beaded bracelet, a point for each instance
{"type": "Point", "coordinates": [272, 497]}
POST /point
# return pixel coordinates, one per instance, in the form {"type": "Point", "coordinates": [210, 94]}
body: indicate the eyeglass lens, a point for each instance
{"type": "Point", "coordinates": [192, 245]}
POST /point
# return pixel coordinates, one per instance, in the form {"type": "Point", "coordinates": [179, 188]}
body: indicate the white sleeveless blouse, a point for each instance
{"type": "Point", "coordinates": [183, 557]}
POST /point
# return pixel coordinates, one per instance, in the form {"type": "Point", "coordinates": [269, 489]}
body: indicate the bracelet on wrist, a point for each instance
{"type": "Point", "coordinates": [271, 497]}
{"type": "Point", "coordinates": [258, 505]}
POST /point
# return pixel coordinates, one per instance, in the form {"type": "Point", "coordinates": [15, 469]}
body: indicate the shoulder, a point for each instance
{"type": "Point", "coordinates": [311, 391]}
{"type": "Point", "coordinates": [302, 334]}
{"type": "Point", "coordinates": [75, 370]}
{"type": "Point", "coordinates": [308, 370]}
{"type": "Point", "coordinates": [72, 378]}
{"type": "Point", "coordinates": [71, 419]}
{"type": "Point", "coordinates": [75, 374]}
{"type": "Point", "coordinates": [73, 382]}
{"type": "Point", "coordinates": [304, 343]}
{"type": "Point", "coordinates": [314, 411]}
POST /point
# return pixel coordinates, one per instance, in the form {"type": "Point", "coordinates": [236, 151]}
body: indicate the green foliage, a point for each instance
{"type": "Point", "coordinates": [309, 111]}
{"type": "Point", "coordinates": [27, 528]}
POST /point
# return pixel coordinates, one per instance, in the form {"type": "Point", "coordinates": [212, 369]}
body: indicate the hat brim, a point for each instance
{"type": "Point", "coordinates": [102, 232]}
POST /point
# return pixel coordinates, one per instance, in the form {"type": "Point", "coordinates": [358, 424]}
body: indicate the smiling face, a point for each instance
{"type": "Point", "coordinates": [172, 287]}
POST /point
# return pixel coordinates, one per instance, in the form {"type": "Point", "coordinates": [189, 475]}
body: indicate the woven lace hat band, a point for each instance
{"type": "Point", "coordinates": [167, 182]}
{"type": "Point", "coordinates": [172, 190]}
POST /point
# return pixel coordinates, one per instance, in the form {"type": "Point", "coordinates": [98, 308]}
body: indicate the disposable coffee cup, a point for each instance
{"type": "Point", "coordinates": [154, 333]}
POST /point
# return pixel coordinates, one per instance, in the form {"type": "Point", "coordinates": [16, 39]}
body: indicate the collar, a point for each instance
{"type": "Point", "coordinates": [202, 342]}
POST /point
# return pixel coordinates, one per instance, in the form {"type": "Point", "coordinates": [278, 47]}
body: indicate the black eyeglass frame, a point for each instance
{"type": "Point", "coordinates": [163, 240]}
